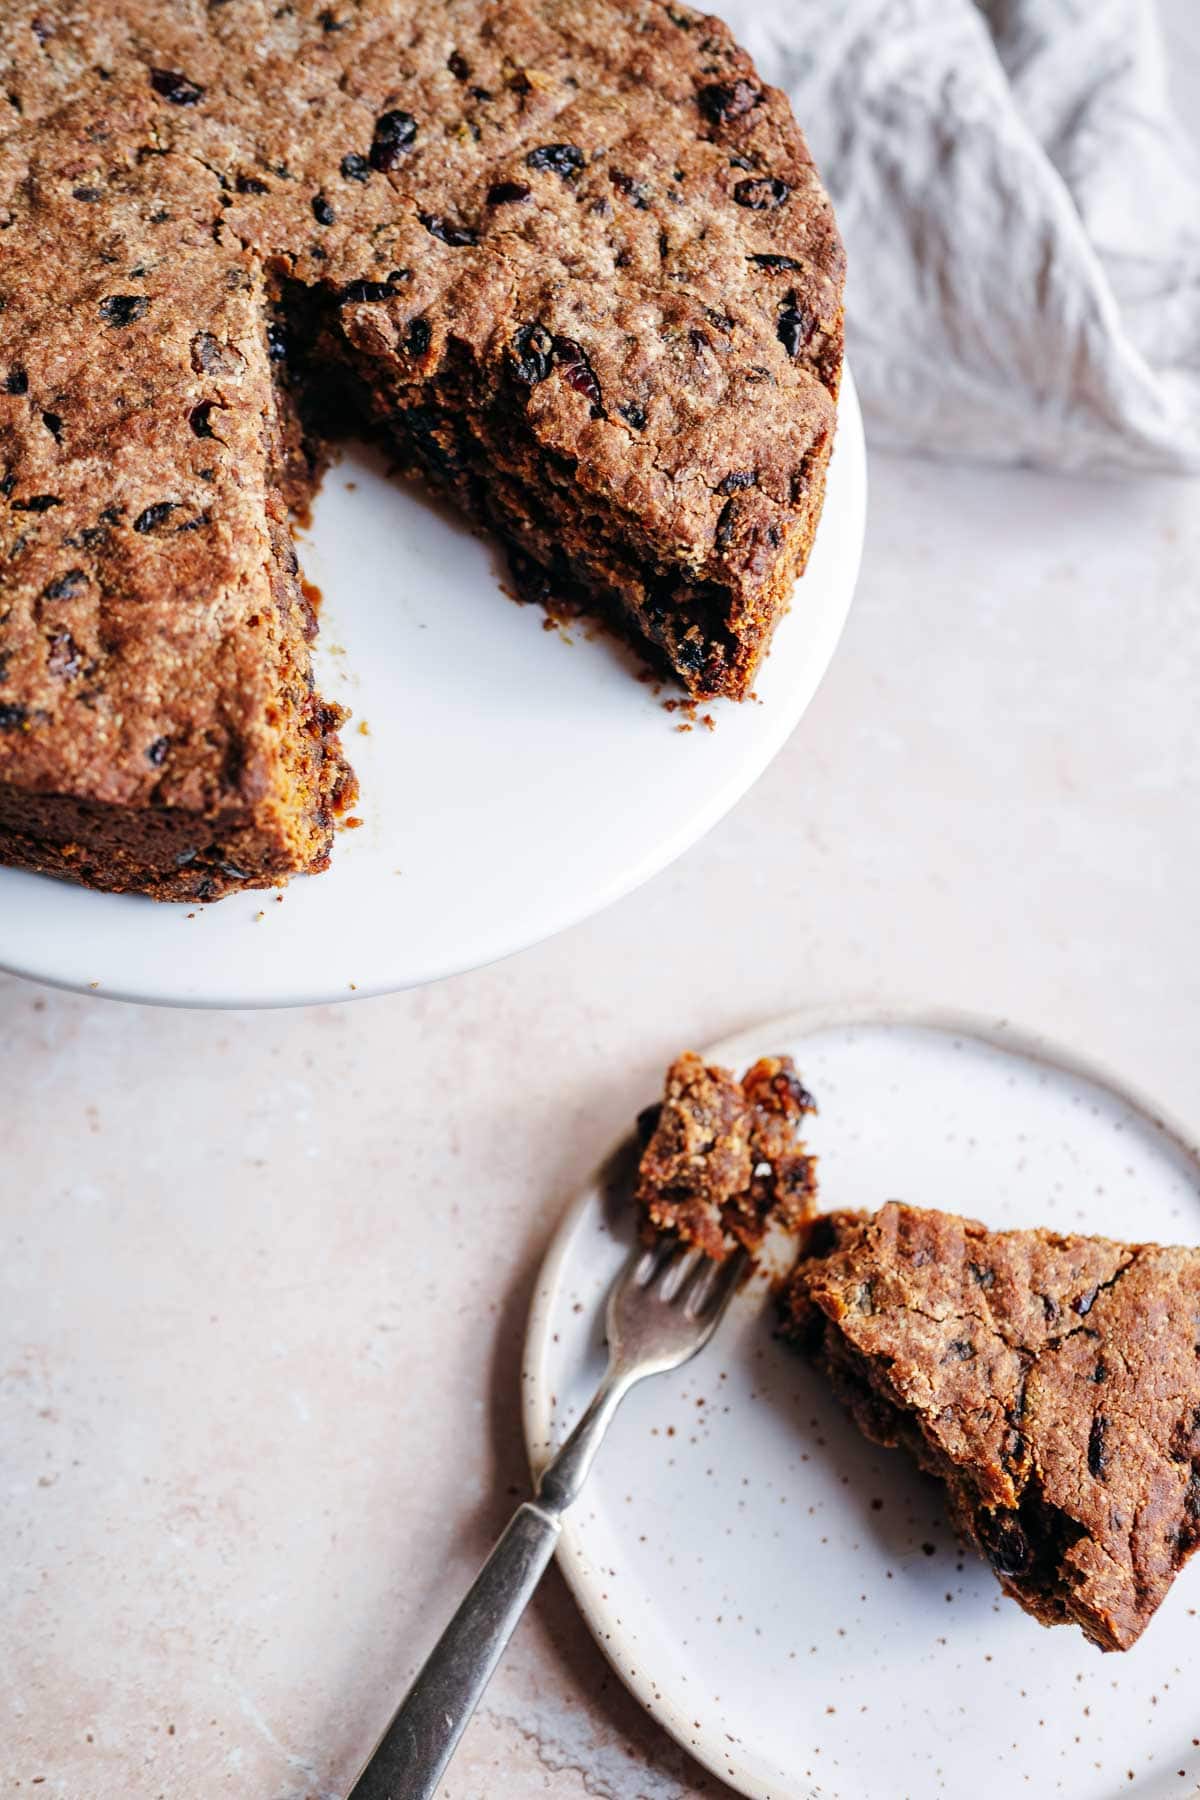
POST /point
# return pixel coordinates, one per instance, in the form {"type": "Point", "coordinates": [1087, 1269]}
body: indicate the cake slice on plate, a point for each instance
{"type": "Point", "coordinates": [1052, 1382]}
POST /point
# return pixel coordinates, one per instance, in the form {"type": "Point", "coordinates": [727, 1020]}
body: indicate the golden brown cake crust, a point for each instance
{"type": "Point", "coordinates": [575, 256]}
{"type": "Point", "coordinates": [158, 726]}
{"type": "Point", "coordinates": [1052, 1382]}
{"type": "Point", "coordinates": [723, 1160]}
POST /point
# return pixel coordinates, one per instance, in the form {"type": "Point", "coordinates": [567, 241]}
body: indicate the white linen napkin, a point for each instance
{"type": "Point", "coordinates": [1021, 212]}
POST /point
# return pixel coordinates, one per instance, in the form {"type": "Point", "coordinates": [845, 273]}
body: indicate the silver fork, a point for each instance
{"type": "Point", "coordinates": [663, 1307]}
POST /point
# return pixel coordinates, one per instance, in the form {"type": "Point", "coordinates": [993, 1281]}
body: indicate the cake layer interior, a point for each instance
{"type": "Point", "coordinates": [465, 434]}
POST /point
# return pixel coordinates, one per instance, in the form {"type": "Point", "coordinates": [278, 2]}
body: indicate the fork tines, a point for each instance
{"type": "Point", "coordinates": [681, 1272]}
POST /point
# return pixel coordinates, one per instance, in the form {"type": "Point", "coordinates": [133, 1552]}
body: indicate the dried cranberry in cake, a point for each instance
{"type": "Point", "coordinates": [796, 326]}
{"type": "Point", "coordinates": [63, 655]}
{"type": "Point", "coordinates": [565, 160]}
{"type": "Point", "coordinates": [636, 191]}
{"type": "Point", "coordinates": [508, 193]}
{"type": "Point", "coordinates": [761, 193]}
{"type": "Point", "coordinates": [722, 102]}
{"type": "Point", "coordinates": [533, 353]}
{"type": "Point", "coordinates": [368, 291]}
{"type": "Point", "coordinates": [123, 309]}
{"type": "Point", "coordinates": [533, 583]}
{"type": "Point", "coordinates": [578, 373]}
{"type": "Point", "coordinates": [395, 135]}
{"type": "Point", "coordinates": [176, 87]}
{"type": "Point", "coordinates": [418, 338]}
{"type": "Point", "coordinates": [450, 231]}
{"type": "Point", "coordinates": [65, 586]}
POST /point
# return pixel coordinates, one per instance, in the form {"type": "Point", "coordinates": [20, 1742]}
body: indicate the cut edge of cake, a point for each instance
{"type": "Point", "coordinates": [1051, 1382]}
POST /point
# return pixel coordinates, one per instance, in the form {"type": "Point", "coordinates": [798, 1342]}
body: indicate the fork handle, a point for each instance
{"type": "Point", "coordinates": [411, 1757]}
{"type": "Point", "coordinates": [414, 1750]}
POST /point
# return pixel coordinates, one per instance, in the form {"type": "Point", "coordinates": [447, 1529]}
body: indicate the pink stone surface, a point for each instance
{"type": "Point", "coordinates": [264, 1277]}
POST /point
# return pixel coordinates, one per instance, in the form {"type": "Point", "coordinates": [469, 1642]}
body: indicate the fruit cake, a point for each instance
{"type": "Point", "coordinates": [570, 258]}
{"type": "Point", "coordinates": [722, 1160]}
{"type": "Point", "coordinates": [1052, 1382]}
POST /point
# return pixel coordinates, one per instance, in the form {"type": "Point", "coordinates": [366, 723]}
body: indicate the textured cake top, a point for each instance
{"type": "Point", "coordinates": [597, 207]}
{"type": "Point", "coordinates": [135, 408]}
{"type": "Point", "coordinates": [1055, 1381]}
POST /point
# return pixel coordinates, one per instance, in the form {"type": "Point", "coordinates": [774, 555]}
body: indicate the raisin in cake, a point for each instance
{"type": "Point", "coordinates": [572, 259]}
{"type": "Point", "coordinates": [722, 1160]}
{"type": "Point", "coordinates": [1052, 1382]}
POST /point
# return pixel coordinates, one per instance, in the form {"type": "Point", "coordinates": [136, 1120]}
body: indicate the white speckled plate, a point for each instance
{"type": "Point", "coordinates": [787, 1599]}
{"type": "Point", "coordinates": [511, 783]}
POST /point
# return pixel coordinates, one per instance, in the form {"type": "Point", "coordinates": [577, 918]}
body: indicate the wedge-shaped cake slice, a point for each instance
{"type": "Point", "coordinates": [1052, 1382]}
{"type": "Point", "coordinates": [722, 1160]}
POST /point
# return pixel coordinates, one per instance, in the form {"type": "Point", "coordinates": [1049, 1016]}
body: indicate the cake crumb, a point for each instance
{"type": "Point", "coordinates": [722, 1161]}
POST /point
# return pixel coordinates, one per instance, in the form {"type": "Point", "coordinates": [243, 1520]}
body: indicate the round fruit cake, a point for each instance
{"type": "Point", "coordinates": [570, 258]}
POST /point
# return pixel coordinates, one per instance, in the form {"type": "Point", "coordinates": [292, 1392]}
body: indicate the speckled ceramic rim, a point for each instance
{"type": "Point", "coordinates": [740, 1768]}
